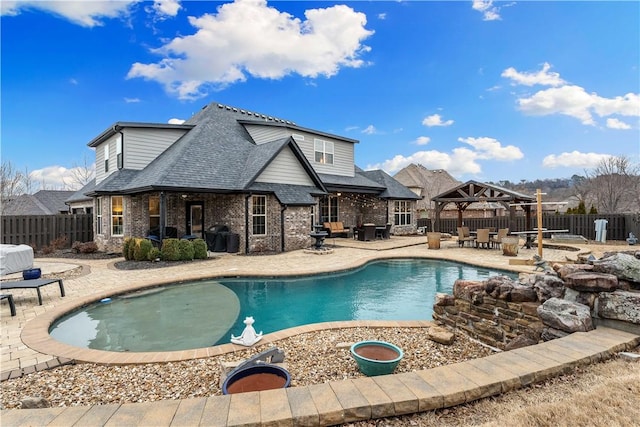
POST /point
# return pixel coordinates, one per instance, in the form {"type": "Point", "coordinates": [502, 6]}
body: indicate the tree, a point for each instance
{"type": "Point", "coordinates": [80, 175]}
{"type": "Point", "coordinates": [614, 184]}
{"type": "Point", "coordinates": [11, 182]}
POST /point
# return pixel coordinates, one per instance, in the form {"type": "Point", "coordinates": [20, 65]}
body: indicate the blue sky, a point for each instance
{"type": "Point", "coordinates": [485, 90]}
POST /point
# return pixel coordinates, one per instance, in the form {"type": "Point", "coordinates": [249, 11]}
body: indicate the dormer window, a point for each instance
{"type": "Point", "coordinates": [323, 151]}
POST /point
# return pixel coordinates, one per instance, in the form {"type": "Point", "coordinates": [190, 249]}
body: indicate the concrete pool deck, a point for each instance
{"type": "Point", "coordinates": [23, 333]}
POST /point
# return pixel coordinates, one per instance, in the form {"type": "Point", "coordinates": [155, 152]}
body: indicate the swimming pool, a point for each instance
{"type": "Point", "coordinates": [204, 313]}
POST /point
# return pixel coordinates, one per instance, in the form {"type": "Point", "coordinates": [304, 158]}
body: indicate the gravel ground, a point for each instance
{"type": "Point", "coordinates": [310, 358]}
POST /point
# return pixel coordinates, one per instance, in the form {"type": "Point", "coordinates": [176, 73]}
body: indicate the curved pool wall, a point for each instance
{"type": "Point", "coordinates": [168, 319]}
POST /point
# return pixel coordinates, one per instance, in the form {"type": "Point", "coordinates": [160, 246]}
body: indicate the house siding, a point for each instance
{"type": "Point", "coordinates": [263, 134]}
{"type": "Point", "coordinates": [343, 157]}
{"type": "Point", "coordinates": [142, 146]}
{"type": "Point", "coordinates": [101, 174]}
{"type": "Point", "coordinates": [285, 169]}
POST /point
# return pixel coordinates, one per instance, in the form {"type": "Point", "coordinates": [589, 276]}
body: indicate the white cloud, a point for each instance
{"type": "Point", "coordinates": [575, 159]}
{"type": "Point", "coordinates": [175, 121]}
{"type": "Point", "coordinates": [617, 124]}
{"type": "Point", "coordinates": [131, 100]}
{"type": "Point", "coordinates": [87, 13]}
{"type": "Point", "coordinates": [58, 177]}
{"type": "Point", "coordinates": [490, 148]}
{"type": "Point", "coordinates": [460, 161]}
{"type": "Point", "coordinates": [488, 10]}
{"type": "Point", "coordinates": [422, 140]}
{"type": "Point", "coordinates": [574, 101]}
{"type": "Point", "coordinates": [370, 130]}
{"type": "Point", "coordinates": [436, 120]}
{"type": "Point", "coordinates": [382, 16]}
{"type": "Point", "coordinates": [542, 77]}
{"type": "Point", "coordinates": [249, 38]}
{"type": "Point", "coordinates": [167, 7]}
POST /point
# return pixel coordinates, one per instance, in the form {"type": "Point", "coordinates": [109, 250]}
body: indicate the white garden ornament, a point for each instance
{"type": "Point", "coordinates": [249, 336]}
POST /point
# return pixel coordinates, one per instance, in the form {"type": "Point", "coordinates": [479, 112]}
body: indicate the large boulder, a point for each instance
{"type": "Point", "coordinates": [622, 265]}
{"type": "Point", "coordinates": [566, 316]}
{"type": "Point", "coordinates": [507, 289]}
{"type": "Point", "coordinates": [564, 270]}
{"type": "Point", "coordinates": [469, 290]}
{"type": "Point", "coordinates": [620, 305]}
{"type": "Point", "coordinates": [547, 286]}
{"type": "Point", "coordinates": [591, 282]}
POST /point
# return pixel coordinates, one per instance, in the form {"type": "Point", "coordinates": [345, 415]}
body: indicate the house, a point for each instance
{"type": "Point", "coordinates": [44, 202]}
{"type": "Point", "coordinates": [79, 202]}
{"type": "Point", "coordinates": [265, 179]}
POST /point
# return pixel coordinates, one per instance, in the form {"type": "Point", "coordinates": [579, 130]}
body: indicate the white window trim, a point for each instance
{"type": "Point", "coordinates": [119, 159]}
{"type": "Point", "coordinates": [254, 215]}
{"type": "Point", "coordinates": [327, 148]}
{"type": "Point", "coordinates": [117, 216]}
{"type": "Point", "coordinates": [403, 209]}
{"type": "Point", "coordinates": [99, 216]}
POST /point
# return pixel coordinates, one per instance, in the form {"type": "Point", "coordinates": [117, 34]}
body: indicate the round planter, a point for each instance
{"type": "Point", "coordinates": [256, 378]}
{"type": "Point", "coordinates": [510, 246]}
{"type": "Point", "coordinates": [376, 357]}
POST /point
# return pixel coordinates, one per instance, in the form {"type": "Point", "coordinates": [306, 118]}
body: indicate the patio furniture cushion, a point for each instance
{"type": "Point", "coordinates": [462, 238]}
{"type": "Point", "coordinates": [336, 228]}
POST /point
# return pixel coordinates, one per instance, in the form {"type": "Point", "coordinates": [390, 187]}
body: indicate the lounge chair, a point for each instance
{"type": "Point", "coordinates": [464, 236]}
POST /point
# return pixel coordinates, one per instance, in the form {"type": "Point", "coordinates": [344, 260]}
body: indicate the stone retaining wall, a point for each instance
{"type": "Point", "coordinates": [560, 300]}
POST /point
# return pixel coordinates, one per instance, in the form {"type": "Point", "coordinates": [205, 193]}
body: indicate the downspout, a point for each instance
{"type": "Point", "coordinates": [246, 223]}
{"type": "Point", "coordinates": [387, 220]}
{"type": "Point", "coordinates": [284, 208]}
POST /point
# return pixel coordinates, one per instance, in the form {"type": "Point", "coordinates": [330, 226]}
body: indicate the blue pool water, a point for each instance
{"type": "Point", "coordinates": [203, 313]}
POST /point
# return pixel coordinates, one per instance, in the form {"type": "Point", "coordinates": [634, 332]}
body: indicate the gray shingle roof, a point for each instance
{"type": "Point", "coordinates": [44, 202]}
{"type": "Point", "coordinates": [81, 195]}
{"type": "Point", "coordinates": [393, 189]}
{"type": "Point", "coordinates": [217, 154]}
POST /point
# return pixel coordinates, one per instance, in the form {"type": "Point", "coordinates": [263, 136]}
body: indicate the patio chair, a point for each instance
{"type": "Point", "coordinates": [496, 241]}
{"type": "Point", "coordinates": [462, 238]}
{"type": "Point", "coordinates": [482, 238]}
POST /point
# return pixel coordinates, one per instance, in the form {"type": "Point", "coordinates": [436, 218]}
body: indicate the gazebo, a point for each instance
{"type": "Point", "coordinates": [473, 192]}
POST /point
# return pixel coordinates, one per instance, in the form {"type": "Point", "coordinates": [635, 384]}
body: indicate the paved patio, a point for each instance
{"type": "Point", "coordinates": [26, 346]}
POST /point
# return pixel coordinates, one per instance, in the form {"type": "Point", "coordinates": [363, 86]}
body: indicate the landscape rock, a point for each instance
{"type": "Point", "coordinates": [443, 299]}
{"type": "Point", "coordinates": [441, 335]}
{"type": "Point", "coordinates": [469, 290]}
{"type": "Point", "coordinates": [620, 305]}
{"type": "Point", "coordinates": [34, 403]}
{"type": "Point", "coordinates": [507, 289]}
{"type": "Point", "coordinates": [586, 298]}
{"type": "Point", "coordinates": [565, 315]}
{"type": "Point", "coordinates": [519, 342]}
{"type": "Point", "coordinates": [591, 282]}
{"type": "Point", "coordinates": [566, 269]}
{"type": "Point", "coordinates": [549, 334]}
{"type": "Point", "coordinates": [622, 265]}
{"type": "Point", "coordinates": [548, 286]}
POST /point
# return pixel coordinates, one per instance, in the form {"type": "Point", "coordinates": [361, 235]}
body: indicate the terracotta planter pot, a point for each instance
{"type": "Point", "coordinates": [376, 357]}
{"type": "Point", "coordinates": [256, 378]}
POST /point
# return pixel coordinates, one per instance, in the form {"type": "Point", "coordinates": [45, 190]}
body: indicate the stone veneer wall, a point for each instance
{"type": "Point", "coordinates": [493, 321]}
{"type": "Point", "coordinates": [506, 313]}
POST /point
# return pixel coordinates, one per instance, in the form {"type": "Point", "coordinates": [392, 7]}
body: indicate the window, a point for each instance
{"type": "Point", "coordinates": [119, 153]}
{"type": "Point", "coordinates": [106, 158]}
{"type": "Point", "coordinates": [329, 209]}
{"type": "Point", "coordinates": [313, 216]}
{"type": "Point", "coordinates": [259, 215]}
{"type": "Point", "coordinates": [117, 218]}
{"type": "Point", "coordinates": [154, 212]}
{"type": "Point", "coordinates": [323, 151]}
{"type": "Point", "coordinates": [98, 215]}
{"type": "Point", "coordinates": [402, 213]}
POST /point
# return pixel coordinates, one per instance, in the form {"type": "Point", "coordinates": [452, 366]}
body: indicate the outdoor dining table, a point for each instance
{"type": "Point", "coordinates": [531, 235]}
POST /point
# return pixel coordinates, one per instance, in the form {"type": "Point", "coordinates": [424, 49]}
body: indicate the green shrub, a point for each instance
{"type": "Point", "coordinates": [170, 249]}
{"type": "Point", "coordinates": [154, 254]}
{"type": "Point", "coordinates": [199, 249]}
{"type": "Point", "coordinates": [185, 247]}
{"type": "Point", "coordinates": [141, 251]}
{"type": "Point", "coordinates": [128, 242]}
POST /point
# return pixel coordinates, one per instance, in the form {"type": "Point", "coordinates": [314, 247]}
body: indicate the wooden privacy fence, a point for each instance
{"type": "Point", "coordinates": [39, 231]}
{"type": "Point", "coordinates": [618, 225]}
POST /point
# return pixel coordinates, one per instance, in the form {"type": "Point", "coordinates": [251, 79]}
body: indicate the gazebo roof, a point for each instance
{"type": "Point", "coordinates": [475, 191]}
